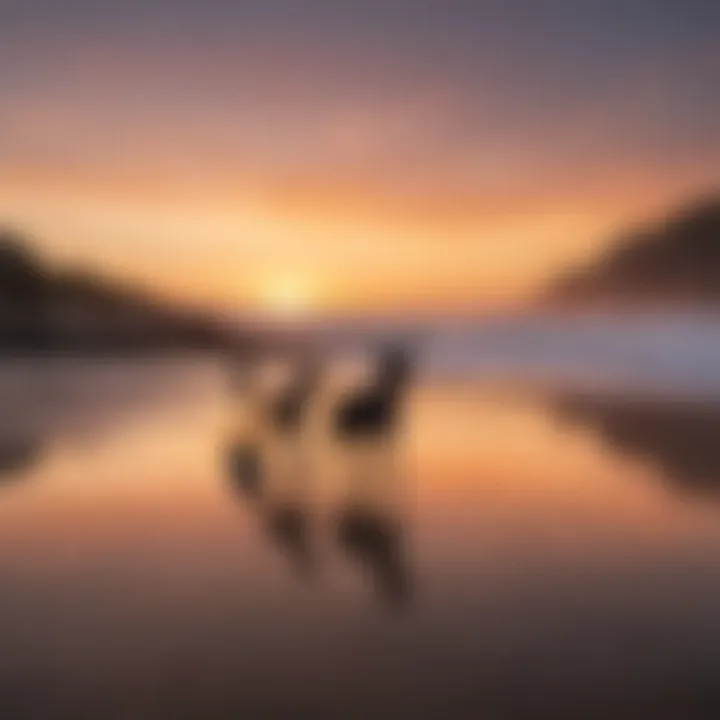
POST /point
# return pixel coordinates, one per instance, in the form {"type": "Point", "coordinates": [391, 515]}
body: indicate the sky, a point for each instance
{"type": "Point", "coordinates": [337, 155]}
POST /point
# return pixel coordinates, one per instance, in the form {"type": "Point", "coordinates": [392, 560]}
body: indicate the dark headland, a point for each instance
{"type": "Point", "coordinates": [44, 308]}
{"type": "Point", "coordinates": [675, 260]}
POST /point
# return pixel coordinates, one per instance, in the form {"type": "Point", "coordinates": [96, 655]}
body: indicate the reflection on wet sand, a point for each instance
{"type": "Point", "coordinates": [375, 540]}
{"type": "Point", "coordinates": [289, 526]}
{"type": "Point", "coordinates": [274, 473]}
{"type": "Point", "coordinates": [282, 503]}
{"type": "Point", "coordinates": [245, 469]}
{"type": "Point", "coordinates": [79, 402]}
{"type": "Point", "coordinates": [552, 583]}
{"type": "Point", "coordinates": [368, 528]}
{"type": "Point", "coordinates": [680, 437]}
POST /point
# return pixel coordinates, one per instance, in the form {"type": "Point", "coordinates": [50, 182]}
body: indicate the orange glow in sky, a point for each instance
{"type": "Point", "coordinates": [322, 161]}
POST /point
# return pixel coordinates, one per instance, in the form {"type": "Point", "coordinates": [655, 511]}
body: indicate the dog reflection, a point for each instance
{"type": "Point", "coordinates": [375, 540]}
{"type": "Point", "coordinates": [370, 528]}
{"type": "Point", "coordinates": [245, 469]}
{"type": "Point", "coordinates": [285, 520]}
{"type": "Point", "coordinates": [289, 526]}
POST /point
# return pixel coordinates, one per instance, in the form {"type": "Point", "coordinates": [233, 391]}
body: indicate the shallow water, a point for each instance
{"type": "Point", "coordinates": [512, 554]}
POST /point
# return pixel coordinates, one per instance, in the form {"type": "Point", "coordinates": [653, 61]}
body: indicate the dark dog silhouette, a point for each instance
{"type": "Point", "coordinates": [287, 410]}
{"type": "Point", "coordinates": [371, 413]}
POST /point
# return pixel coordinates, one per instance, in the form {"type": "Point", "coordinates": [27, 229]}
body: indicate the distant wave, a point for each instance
{"type": "Point", "coordinates": [677, 353]}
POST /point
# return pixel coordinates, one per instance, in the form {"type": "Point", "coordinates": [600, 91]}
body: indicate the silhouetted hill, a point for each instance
{"type": "Point", "coordinates": [677, 259]}
{"type": "Point", "coordinates": [46, 308]}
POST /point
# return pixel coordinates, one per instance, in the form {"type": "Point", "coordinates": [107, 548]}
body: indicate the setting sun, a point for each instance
{"type": "Point", "coordinates": [287, 295]}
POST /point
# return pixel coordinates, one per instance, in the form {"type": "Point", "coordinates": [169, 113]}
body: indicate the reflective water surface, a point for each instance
{"type": "Point", "coordinates": [163, 554]}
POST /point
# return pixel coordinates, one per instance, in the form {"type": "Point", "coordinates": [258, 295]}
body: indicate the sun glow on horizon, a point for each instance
{"type": "Point", "coordinates": [407, 173]}
{"type": "Point", "coordinates": [287, 296]}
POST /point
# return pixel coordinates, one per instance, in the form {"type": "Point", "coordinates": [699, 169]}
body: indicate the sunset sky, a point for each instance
{"type": "Point", "coordinates": [346, 154]}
